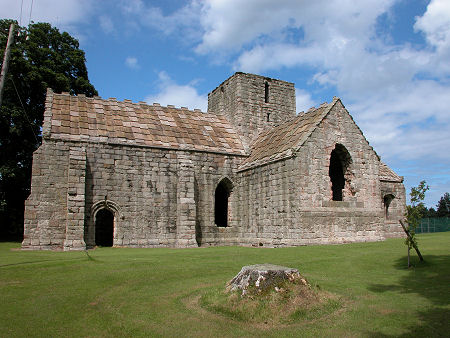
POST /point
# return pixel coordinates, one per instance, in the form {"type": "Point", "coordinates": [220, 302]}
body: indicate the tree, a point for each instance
{"type": "Point", "coordinates": [431, 213]}
{"type": "Point", "coordinates": [41, 57]}
{"type": "Point", "coordinates": [443, 206]}
{"type": "Point", "coordinates": [414, 214]}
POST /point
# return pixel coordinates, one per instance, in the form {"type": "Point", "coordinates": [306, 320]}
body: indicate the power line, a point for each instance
{"type": "Point", "coordinates": [21, 8]}
{"type": "Point", "coordinates": [31, 10]}
{"type": "Point", "coordinates": [25, 112]}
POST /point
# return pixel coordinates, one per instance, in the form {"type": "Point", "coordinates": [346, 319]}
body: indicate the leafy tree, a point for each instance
{"type": "Point", "coordinates": [414, 214]}
{"type": "Point", "coordinates": [41, 57]}
{"type": "Point", "coordinates": [443, 206]}
{"type": "Point", "coordinates": [431, 213]}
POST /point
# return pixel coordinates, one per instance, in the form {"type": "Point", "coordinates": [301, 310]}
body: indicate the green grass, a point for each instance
{"type": "Point", "coordinates": [292, 304]}
{"type": "Point", "coordinates": [158, 292]}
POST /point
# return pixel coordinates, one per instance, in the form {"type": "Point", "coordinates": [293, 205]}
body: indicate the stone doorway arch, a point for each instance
{"type": "Point", "coordinates": [105, 216]}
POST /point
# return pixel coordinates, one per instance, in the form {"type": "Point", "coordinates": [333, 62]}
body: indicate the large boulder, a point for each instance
{"type": "Point", "coordinates": [262, 277]}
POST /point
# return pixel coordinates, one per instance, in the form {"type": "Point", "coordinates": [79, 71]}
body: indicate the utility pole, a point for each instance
{"type": "Point", "coordinates": [6, 60]}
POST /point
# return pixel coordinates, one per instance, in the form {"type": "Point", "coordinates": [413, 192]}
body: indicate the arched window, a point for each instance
{"type": "Point", "coordinates": [104, 227]}
{"type": "Point", "coordinates": [387, 202]}
{"type": "Point", "coordinates": [221, 202]}
{"type": "Point", "coordinates": [339, 162]}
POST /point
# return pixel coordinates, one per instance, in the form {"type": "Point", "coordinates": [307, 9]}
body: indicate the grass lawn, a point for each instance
{"type": "Point", "coordinates": [158, 292]}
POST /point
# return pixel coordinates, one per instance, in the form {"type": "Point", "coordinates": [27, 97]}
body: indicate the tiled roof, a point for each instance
{"type": "Point", "coordinates": [282, 141]}
{"type": "Point", "coordinates": [80, 118]}
{"type": "Point", "coordinates": [387, 174]}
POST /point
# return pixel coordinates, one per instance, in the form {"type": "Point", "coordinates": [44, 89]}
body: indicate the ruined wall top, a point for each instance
{"type": "Point", "coordinates": [253, 102]}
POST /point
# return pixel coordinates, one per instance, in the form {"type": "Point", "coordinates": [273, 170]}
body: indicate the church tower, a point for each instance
{"type": "Point", "coordinates": [252, 102]}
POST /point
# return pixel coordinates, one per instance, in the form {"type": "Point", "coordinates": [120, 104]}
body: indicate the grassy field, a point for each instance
{"type": "Point", "coordinates": [158, 292]}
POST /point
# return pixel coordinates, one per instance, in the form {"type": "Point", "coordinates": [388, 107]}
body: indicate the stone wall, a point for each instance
{"type": "Point", "coordinates": [159, 197]}
{"type": "Point", "coordinates": [242, 99]}
{"type": "Point", "coordinates": [166, 197]}
{"type": "Point", "coordinates": [290, 202]}
{"type": "Point", "coordinates": [394, 192]}
{"type": "Point", "coordinates": [266, 203]}
{"type": "Point", "coordinates": [46, 207]}
{"type": "Point", "coordinates": [362, 176]}
{"type": "Point", "coordinates": [76, 199]}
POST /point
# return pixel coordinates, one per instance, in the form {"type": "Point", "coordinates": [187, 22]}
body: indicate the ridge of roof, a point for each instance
{"type": "Point", "coordinates": [93, 119]}
{"type": "Point", "coordinates": [284, 140]}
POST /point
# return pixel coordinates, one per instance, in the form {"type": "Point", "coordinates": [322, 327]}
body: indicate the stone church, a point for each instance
{"type": "Point", "coordinates": [250, 171]}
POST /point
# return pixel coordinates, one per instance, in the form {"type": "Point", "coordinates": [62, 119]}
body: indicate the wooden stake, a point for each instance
{"type": "Point", "coordinates": [414, 245]}
{"type": "Point", "coordinates": [409, 262]}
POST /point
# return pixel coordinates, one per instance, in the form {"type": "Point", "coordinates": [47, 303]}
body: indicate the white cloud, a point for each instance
{"type": "Point", "coordinates": [172, 93]}
{"type": "Point", "coordinates": [274, 56]}
{"type": "Point", "coordinates": [106, 24]}
{"type": "Point", "coordinates": [60, 13]}
{"type": "Point", "coordinates": [303, 100]}
{"type": "Point", "coordinates": [184, 20]}
{"type": "Point", "coordinates": [435, 23]}
{"type": "Point", "coordinates": [132, 62]}
{"type": "Point", "coordinates": [231, 24]}
{"type": "Point", "coordinates": [406, 126]}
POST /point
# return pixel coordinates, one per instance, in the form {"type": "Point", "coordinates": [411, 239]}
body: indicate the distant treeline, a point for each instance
{"type": "Point", "coordinates": [442, 208]}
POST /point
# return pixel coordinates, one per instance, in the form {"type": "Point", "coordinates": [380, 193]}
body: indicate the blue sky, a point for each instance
{"type": "Point", "coordinates": [388, 60]}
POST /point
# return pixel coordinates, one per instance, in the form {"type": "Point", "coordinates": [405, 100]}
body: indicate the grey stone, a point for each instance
{"type": "Point", "coordinates": [261, 277]}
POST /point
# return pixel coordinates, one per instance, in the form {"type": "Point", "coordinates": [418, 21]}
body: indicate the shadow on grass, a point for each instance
{"type": "Point", "coordinates": [431, 280]}
{"type": "Point", "coordinates": [88, 257]}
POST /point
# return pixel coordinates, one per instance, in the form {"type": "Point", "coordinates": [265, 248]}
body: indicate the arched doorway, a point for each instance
{"type": "Point", "coordinates": [221, 202]}
{"type": "Point", "coordinates": [339, 162]}
{"type": "Point", "coordinates": [104, 227]}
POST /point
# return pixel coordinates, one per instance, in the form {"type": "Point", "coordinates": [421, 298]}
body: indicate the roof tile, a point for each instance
{"type": "Point", "coordinates": [98, 120]}
{"type": "Point", "coordinates": [387, 174]}
{"type": "Point", "coordinates": [283, 140]}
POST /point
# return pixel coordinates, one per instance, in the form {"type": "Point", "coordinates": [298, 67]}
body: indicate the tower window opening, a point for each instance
{"type": "Point", "coordinates": [268, 117]}
{"type": "Point", "coordinates": [266, 92]}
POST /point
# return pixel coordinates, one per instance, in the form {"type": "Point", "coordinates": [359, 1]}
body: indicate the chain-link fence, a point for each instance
{"type": "Point", "coordinates": [435, 224]}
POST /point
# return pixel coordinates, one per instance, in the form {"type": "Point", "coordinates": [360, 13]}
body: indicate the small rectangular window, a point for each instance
{"type": "Point", "coordinates": [266, 92]}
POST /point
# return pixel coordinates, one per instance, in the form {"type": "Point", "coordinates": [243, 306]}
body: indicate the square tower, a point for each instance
{"type": "Point", "coordinates": [253, 102]}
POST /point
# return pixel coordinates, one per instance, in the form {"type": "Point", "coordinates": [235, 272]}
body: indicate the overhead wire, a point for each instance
{"type": "Point", "coordinates": [21, 9]}
{"type": "Point", "coordinates": [31, 11]}
{"type": "Point", "coordinates": [24, 111]}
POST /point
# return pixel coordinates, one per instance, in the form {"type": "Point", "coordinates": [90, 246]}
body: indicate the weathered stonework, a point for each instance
{"type": "Point", "coordinates": [248, 172]}
{"type": "Point", "coordinates": [253, 103]}
{"type": "Point", "coordinates": [263, 277]}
